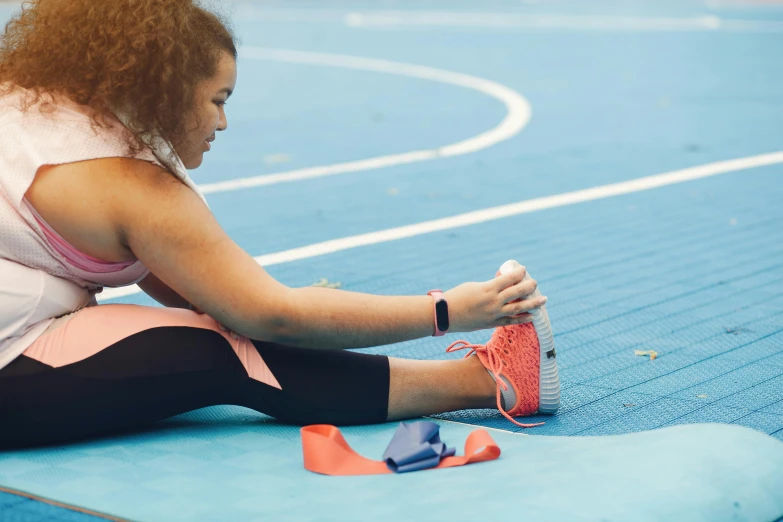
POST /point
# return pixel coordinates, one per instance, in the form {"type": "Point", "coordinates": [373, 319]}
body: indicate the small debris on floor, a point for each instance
{"type": "Point", "coordinates": [701, 396]}
{"type": "Point", "coordinates": [652, 353]}
{"type": "Point", "coordinates": [630, 405]}
{"type": "Point", "coordinates": [324, 283]}
{"type": "Point", "coordinates": [736, 330]}
{"type": "Point", "coordinates": [276, 158]}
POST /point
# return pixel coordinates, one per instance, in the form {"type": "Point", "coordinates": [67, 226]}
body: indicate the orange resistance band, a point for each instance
{"type": "Point", "coordinates": [326, 452]}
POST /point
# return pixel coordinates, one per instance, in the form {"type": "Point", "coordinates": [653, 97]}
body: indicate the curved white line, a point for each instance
{"type": "Point", "coordinates": [419, 19]}
{"type": "Point", "coordinates": [503, 211]}
{"type": "Point", "coordinates": [408, 20]}
{"type": "Point", "coordinates": [518, 115]}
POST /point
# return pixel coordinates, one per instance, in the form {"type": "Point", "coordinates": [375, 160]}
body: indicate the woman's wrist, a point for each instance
{"type": "Point", "coordinates": [327, 318]}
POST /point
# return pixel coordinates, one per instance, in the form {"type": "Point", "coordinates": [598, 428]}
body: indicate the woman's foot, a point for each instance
{"type": "Point", "coordinates": [522, 361]}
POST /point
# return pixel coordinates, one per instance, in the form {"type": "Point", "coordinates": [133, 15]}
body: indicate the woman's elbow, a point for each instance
{"type": "Point", "coordinates": [279, 324]}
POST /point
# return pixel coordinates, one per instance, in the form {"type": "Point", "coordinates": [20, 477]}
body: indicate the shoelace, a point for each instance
{"type": "Point", "coordinates": [496, 367]}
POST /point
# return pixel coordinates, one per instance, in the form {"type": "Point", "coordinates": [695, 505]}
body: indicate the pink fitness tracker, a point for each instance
{"type": "Point", "coordinates": [440, 312]}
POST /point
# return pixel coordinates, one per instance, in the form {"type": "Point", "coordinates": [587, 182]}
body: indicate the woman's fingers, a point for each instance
{"type": "Point", "coordinates": [232, 333]}
{"type": "Point", "coordinates": [518, 291]}
{"type": "Point", "coordinates": [504, 281]}
{"type": "Point", "coordinates": [522, 307]}
{"type": "Point", "coordinates": [513, 286]}
{"type": "Point", "coordinates": [514, 319]}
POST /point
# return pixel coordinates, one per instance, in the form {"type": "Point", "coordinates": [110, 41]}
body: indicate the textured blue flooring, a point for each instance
{"type": "Point", "coordinates": [693, 271]}
{"type": "Point", "coordinates": [14, 508]}
{"type": "Point", "coordinates": [665, 270]}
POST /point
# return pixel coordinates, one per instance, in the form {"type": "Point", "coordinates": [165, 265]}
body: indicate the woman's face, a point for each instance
{"type": "Point", "coordinates": [208, 115]}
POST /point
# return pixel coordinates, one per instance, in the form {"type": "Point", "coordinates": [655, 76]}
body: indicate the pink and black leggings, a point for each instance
{"type": "Point", "coordinates": [114, 367]}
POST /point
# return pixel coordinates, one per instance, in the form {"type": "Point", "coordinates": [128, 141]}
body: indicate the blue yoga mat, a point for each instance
{"type": "Point", "coordinates": [228, 463]}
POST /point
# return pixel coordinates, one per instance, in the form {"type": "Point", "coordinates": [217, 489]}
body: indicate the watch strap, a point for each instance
{"type": "Point", "coordinates": [437, 296]}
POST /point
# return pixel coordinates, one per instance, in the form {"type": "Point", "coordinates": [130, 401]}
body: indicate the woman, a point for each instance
{"type": "Point", "coordinates": [103, 106]}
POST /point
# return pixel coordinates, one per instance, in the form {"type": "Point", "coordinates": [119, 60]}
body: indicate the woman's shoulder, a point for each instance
{"type": "Point", "coordinates": [53, 129]}
{"type": "Point", "coordinates": [32, 109]}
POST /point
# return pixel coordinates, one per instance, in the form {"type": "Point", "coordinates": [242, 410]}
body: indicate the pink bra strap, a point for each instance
{"type": "Point", "coordinates": [73, 255]}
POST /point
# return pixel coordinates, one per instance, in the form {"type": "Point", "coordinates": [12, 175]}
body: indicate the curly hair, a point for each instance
{"type": "Point", "coordinates": [141, 57]}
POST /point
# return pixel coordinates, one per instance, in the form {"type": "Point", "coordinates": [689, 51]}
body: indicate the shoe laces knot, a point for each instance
{"type": "Point", "coordinates": [494, 360]}
{"type": "Point", "coordinates": [495, 364]}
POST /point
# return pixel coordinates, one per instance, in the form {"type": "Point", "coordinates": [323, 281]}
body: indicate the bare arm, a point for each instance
{"type": "Point", "coordinates": [329, 311]}
{"type": "Point", "coordinates": [169, 229]}
{"type": "Point", "coordinates": [161, 292]}
{"type": "Point", "coordinates": [330, 318]}
{"type": "Point", "coordinates": [117, 209]}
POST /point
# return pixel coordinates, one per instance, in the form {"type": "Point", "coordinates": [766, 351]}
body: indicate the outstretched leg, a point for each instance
{"type": "Point", "coordinates": [420, 388]}
{"type": "Point", "coordinates": [114, 367]}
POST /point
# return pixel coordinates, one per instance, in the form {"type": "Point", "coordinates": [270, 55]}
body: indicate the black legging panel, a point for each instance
{"type": "Point", "coordinates": [167, 371]}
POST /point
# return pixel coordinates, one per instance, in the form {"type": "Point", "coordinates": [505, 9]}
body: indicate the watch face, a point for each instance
{"type": "Point", "coordinates": [442, 314]}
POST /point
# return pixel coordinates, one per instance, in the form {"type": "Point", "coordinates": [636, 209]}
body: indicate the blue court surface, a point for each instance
{"type": "Point", "coordinates": [630, 154]}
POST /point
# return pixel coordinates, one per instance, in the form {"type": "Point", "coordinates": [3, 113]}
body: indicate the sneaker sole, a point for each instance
{"type": "Point", "coordinates": [548, 378]}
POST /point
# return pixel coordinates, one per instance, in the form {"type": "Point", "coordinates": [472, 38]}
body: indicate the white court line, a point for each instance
{"type": "Point", "coordinates": [383, 19]}
{"type": "Point", "coordinates": [517, 116]}
{"type": "Point", "coordinates": [503, 211]}
{"type": "Point", "coordinates": [408, 19]}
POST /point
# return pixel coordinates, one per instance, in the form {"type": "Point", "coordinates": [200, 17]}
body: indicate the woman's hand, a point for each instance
{"type": "Point", "coordinates": [230, 332]}
{"type": "Point", "coordinates": [502, 301]}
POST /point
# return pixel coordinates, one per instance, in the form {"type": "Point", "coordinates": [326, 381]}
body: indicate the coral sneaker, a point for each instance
{"type": "Point", "coordinates": [522, 360]}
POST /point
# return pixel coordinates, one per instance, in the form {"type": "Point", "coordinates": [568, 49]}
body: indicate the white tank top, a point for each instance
{"type": "Point", "coordinates": [38, 284]}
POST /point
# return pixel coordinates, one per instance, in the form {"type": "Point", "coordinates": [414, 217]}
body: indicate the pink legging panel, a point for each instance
{"type": "Point", "coordinates": [96, 328]}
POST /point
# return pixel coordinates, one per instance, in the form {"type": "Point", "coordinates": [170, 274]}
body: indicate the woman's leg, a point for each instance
{"type": "Point", "coordinates": [420, 388]}
{"type": "Point", "coordinates": [114, 367]}
{"type": "Point", "coordinates": [347, 387]}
